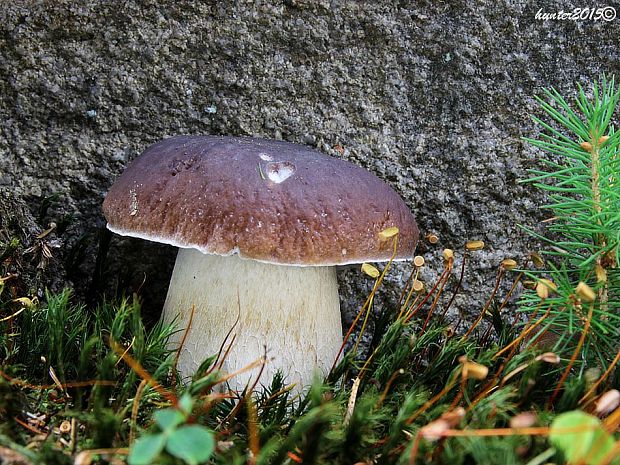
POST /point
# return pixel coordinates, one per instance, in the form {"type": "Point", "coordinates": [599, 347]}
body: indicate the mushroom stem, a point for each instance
{"type": "Point", "coordinates": [291, 311]}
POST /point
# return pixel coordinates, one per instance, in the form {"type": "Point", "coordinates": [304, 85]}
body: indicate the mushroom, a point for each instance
{"type": "Point", "coordinates": [261, 226]}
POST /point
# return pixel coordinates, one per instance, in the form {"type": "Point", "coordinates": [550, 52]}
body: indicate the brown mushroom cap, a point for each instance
{"type": "Point", "coordinates": [271, 201]}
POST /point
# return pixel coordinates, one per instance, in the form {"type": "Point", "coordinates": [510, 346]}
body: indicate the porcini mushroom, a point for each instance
{"type": "Point", "coordinates": [261, 226]}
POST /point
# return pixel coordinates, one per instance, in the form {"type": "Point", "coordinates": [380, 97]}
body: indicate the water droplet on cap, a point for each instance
{"type": "Point", "coordinates": [280, 171]}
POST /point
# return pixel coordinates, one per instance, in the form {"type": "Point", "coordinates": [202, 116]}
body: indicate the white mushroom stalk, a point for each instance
{"type": "Point", "coordinates": [292, 312]}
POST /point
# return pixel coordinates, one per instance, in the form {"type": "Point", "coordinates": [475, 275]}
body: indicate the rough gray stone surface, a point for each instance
{"type": "Point", "coordinates": [433, 97]}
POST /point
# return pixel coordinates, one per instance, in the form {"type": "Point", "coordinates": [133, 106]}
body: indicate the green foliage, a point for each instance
{"type": "Point", "coordinates": [330, 424]}
{"type": "Point", "coordinates": [193, 444]}
{"type": "Point", "coordinates": [582, 439]}
{"type": "Point", "coordinates": [71, 342]}
{"type": "Point", "coordinates": [582, 179]}
{"type": "Point", "coordinates": [74, 340]}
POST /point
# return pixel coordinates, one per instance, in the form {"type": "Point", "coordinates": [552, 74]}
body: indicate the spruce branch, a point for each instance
{"type": "Point", "coordinates": [583, 238]}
